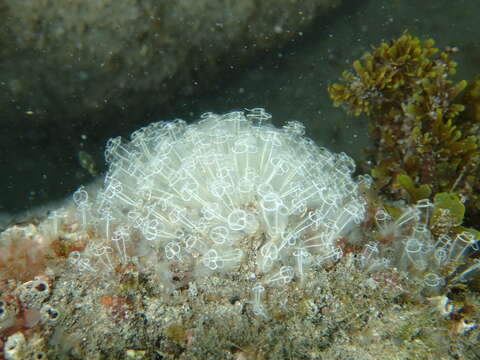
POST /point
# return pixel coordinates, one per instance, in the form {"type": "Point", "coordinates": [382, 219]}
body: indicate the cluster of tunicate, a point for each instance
{"type": "Point", "coordinates": [410, 246]}
{"type": "Point", "coordinates": [227, 190]}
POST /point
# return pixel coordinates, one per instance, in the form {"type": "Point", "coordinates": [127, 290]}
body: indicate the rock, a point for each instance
{"type": "Point", "coordinates": [63, 60]}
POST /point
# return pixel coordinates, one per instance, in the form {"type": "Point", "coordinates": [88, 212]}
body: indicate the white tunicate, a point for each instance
{"type": "Point", "coordinates": [225, 190]}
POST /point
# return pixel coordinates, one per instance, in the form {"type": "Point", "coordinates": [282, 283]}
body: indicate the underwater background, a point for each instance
{"type": "Point", "coordinates": [161, 197]}
{"type": "Point", "coordinates": [61, 98]}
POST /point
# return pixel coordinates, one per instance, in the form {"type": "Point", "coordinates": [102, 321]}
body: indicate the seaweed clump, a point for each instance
{"type": "Point", "coordinates": [424, 125]}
